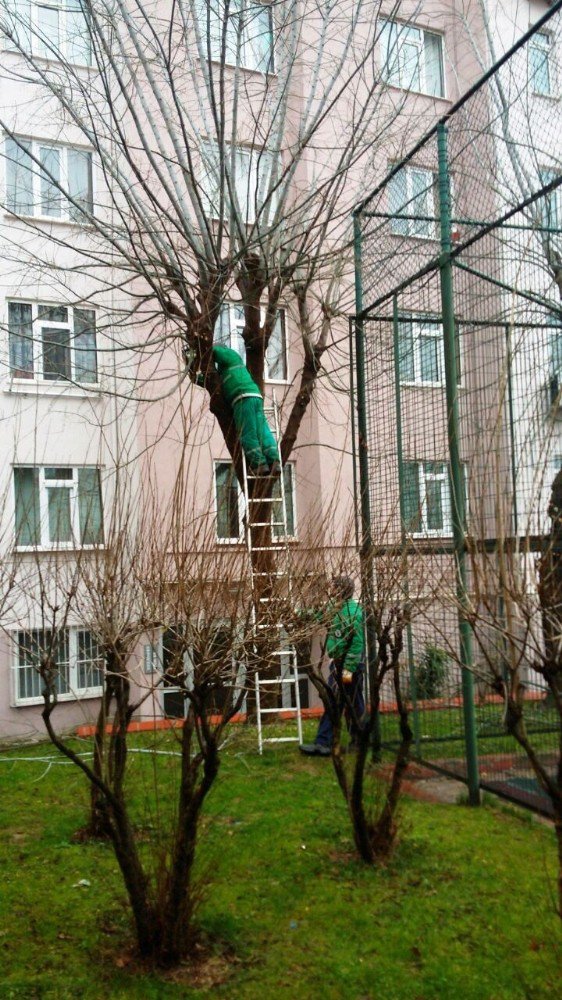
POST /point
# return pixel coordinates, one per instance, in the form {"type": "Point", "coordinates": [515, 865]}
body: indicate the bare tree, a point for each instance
{"type": "Point", "coordinates": [372, 794]}
{"type": "Point", "coordinates": [231, 141]}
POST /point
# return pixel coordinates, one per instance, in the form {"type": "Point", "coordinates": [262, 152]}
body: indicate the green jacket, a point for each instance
{"type": "Point", "coordinates": [345, 635]}
{"type": "Point", "coordinates": [235, 378]}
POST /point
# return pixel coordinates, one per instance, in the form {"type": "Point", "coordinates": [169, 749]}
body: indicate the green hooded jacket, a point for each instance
{"type": "Point", "coordinates": [345, 635]}
{"type": "Point", "coordinates": [236, 380]}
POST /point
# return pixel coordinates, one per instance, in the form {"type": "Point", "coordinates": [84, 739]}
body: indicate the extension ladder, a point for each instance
{"type": "Point", "coordinates": [284, 653]}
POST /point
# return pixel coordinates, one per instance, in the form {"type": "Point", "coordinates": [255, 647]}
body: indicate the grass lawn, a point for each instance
{"type": "Point", "coordinates": [464, 911]}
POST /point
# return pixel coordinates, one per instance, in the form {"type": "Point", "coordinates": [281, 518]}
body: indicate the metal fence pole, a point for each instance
{"type": "Point", "coordinates": [456, 478]}
{"type": "Point", "coordinates": [402, 499]}
{"type": "Point", "coordinates": [366, 550]}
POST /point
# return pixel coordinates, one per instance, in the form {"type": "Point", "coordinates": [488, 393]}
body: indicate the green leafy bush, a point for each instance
{"type": "Point", "coordinates": [430, 672]}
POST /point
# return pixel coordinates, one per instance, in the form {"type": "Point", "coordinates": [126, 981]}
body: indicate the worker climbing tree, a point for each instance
{"type": "Point", "coordinates": [246, 402]}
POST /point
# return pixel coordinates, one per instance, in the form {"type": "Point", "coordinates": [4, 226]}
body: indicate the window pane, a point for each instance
{"type": "Point", "coordinates": [411, 498]}
{"type": "Point", "coordinates": [397, 198]}
{"type": "Point", "coordinates": [226, 484]}
{"type": "Point", "coordinates": [19, 177]}
{"type": "Point", "coordinates": [433, 59]}
{"type": "Point", "coordinates": [389, 54]}
{"type": "Point", "coordinates": [409, 40]}
{"type": "Point", "coordinates": [29, 683]}
{"type": "Point", "coordinates": [26, 488]}
{"type": "Point", "coordinates": [85, 359]}
{"type": "Point", "coordinates": [89, 663]}
{"type": "Point", "coordinates": [276, 353]}
{"type": "Point", "coordinates": [237, 323]}
{"type": "Point", "coordinates": [21, 340]}
{"type": "Point", "coordinates": [90, 507]}
{"type": "Point", "coordinates": [434, 500]}
{"type": "Point", "coordinates": [430, 348]}
{"type": "Point", "coordinates": [258, 38]}
{"type": "Point", "coordinates": [53, 314]}
{"type": "Point", "coordinates": [421, 202]}
{"type": "Point", "coordinates": [59, 472]}
{"type": "Point", "coordinates": [18, 20]}
{"type": "Point", "coordinates": [539, 64]}
{"type": "Point", "coordinates": [210, 178]}
{"type": "Point", "coordinates": [78, 46]}
{"type": "Point", "coordinates": [406, 352]}
{"type": "Point", "coordinates": [222, 326]}
{"type": "Point", "coordinates": [277, 507]}
{"type": "Point", "coordinates": [50, 181]}
{"type": "Point", "coordinates": [245, 184]}
{"type": "Point", "coordinates": [56, 353]}
{"type": "Point", "coordinates": [58, 510]}
{"type": "Point", "coordinates": [79, 183]}
{"type": "Point", "coordinates": [48, 33]}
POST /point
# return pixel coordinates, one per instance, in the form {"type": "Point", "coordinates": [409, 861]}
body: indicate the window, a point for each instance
{"type": "Point", "coordinates": [245, 36]}
{"type": "Point", "coordinates": [540, 70]}
{"type": "Point", "coordinates": [52, 343]}
{"type": "Point", "coordinates": [251, 181]}
{"type": "Point", "coordinates": [229, 330]}
{"type": "Point", "coordinates": [420, 351]}
{"type": "Point", "coordinates": [413, 203]}
{"type": "Point", "coordinates": [229, 501]}
{"type": "Point", "coordinates": [74, 651]}
{"type": "Point", "coordinates": [55, 30]}
{"type": "Point", "coordinates": [57, 507]}
{"type": "Point", "coordinates": [427, 508]}
{"type": "Point", "coordinates": [38, 174]}
{"type": "Point", "coordinates": [412, 58]}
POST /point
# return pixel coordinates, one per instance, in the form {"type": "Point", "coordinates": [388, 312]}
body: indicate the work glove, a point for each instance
{"type": "Point", "coordinates": [346, 676]}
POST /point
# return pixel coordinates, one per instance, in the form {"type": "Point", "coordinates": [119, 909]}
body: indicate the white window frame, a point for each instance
{"type": "Point", "coordinates": [394, 72]}
{"type": "Point", "coordinates": [242, 507]}
{"type": "Point", "coordinates": [443, 478]}
{"type": "Point", "coordinates": [37, 377]}
{"type": "Point", "coordinates": [236, 342]}
{"type": "Point", "coordinates": [28, 24]}
{"type": "Point", "coordinates": [36, 146]}
{"type": "Point", "coordinates": [75, 693]}
{"type": "Point", "coordinates": [425, 327]}
{"type": "Point", "coordinates": [247, 59]}
{"type": "Point", "coordinates": [409, 227]}
{"type": "Point", "coordinates": [45, 545]}
{"type": "Point", "coordinates": [541, 44]}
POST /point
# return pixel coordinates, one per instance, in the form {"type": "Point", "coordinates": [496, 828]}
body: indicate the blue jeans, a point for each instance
{"type": "Point", "coordinates": [325, 733]}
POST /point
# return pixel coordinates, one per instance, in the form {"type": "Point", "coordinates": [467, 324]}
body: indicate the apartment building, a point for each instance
{"type": "Point", "coordinates": [93, 374]}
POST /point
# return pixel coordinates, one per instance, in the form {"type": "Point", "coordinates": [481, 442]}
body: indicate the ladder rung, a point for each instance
{"type": "Point", "coordinates": [268, 548]}
{"type": "Point", "coordinates": [279, 680]}
{"type": "Point", "coordinates": [264, 499]}
{"type": "Point", "coordinates": [281, 739]}
{"type": "Point", "coordinates": [270, 711]}
{"type": "Point", "coordinates": [278, 572]}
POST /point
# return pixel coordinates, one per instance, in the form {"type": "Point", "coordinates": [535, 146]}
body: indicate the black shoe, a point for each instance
{"type": "Point", "coordinates": [315, 750]}
{"type": "Point", "coordinates": [260, 470]}
{"type": "Point", "coordinates": [276, 469]}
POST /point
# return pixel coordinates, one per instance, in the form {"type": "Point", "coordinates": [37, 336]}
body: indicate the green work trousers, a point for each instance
{"type": "Point", "coordinates": [256, 439]}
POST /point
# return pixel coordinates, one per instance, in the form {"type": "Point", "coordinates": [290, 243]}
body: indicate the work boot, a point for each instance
{"type": "Point", "coordinates": [276, 469]}
{"type": "Point", "coordinates": [260, 470]}
{"type": "Point", "coordinates": [315, 750]}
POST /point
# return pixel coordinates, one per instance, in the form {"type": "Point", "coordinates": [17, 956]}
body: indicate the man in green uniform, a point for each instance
{"type": "Point", "coordinates": [345, 646]}
{"type": "Point", "coordinates": [246, 401]}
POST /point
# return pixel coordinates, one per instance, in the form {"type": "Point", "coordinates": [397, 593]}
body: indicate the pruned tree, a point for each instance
{"type": "Point", "coordinates": [372, 793]}
{"type": "Point", "coordinates": [231, 140]}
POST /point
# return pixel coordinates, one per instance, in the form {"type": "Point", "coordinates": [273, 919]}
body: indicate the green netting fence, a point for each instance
{"type": "Point", "coordinates": [458, 373]}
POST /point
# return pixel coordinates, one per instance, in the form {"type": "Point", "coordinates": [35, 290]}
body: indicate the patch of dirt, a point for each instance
{"type": "Point", "coordinates": [210, 965]}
